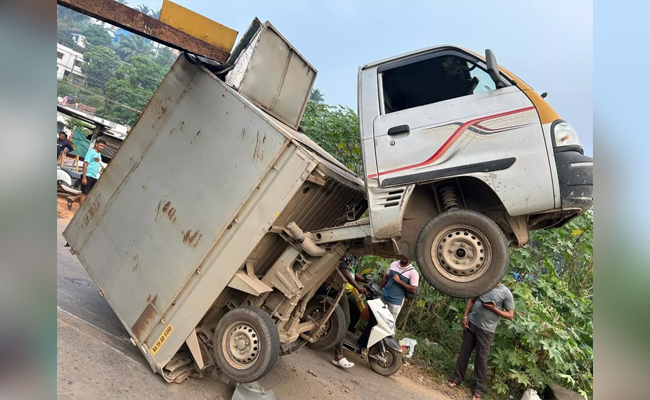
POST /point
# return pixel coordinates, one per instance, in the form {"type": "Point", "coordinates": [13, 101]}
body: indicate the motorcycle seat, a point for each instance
{"type": "Point", "coordinates": [73, 175]}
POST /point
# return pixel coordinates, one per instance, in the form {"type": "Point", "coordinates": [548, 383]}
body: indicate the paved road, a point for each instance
{"type": "Point", "coordinates": [96, 359]}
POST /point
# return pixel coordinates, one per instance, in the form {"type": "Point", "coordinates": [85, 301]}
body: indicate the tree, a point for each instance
{"type": "Point", "coordinates": [144, 9]}
{"type": "Point", "coordinates": [165, 58]}
{"type": "Point", "coordinates": [96, 36]}
{"type": "Point", "coordinates": [132, 85]}
{"type": "Point", "coordinates": [65, 88]}
{"type": "Point", "coordinates": [156, 14]}
{"type": "Point", "coordinates": [336, 130]}
{"type": "Point", "coordinates": [62, 36]}
{"type": "Point", "coordinates": [70, 18]}
{"type": "Point", "coordinates": [100, 62]}
{"type": "Point", "coordinates": [133, 45]}
{"type": "Point", "coordinates": [316, 96]}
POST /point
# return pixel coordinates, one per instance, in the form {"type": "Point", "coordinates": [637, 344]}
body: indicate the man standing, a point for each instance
{"type": "Point", "coordinates": [91, 169]}
{"type": "Point", "coordinates": [63, 145]}
{"type": "Point", "coordinates": [478, 332]}
{"type": "Point", "coordinates": [401, 277]}
{"type": "Point", "coordinates": [349, 306]}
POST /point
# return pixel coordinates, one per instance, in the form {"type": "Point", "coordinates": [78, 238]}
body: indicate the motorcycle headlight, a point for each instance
{"type": "Point", "coordinates": [565, 135]}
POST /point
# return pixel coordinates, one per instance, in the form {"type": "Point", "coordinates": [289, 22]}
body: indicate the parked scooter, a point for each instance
{"type": "Point", "coordinates": [68, 181]}
{"type": "Point", "coordinates": [385, 352]}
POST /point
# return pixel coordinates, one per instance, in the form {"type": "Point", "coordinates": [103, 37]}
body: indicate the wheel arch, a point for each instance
{"type": "Point", "coordinates": [424, 204]}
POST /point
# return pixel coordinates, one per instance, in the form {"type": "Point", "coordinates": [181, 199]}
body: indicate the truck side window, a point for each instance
{"type": "Point", "coordinates": [432, 80]}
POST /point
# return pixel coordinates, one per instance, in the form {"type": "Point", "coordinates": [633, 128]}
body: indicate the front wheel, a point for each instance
{"type": "Point", "coordinates": [334, 329]}
{"type": "Point", "coordinates": [462, 253]}
{"type": "Point", "coordinates": [246, 344]}
{"type": "Point", "coordinates": [390, 362]}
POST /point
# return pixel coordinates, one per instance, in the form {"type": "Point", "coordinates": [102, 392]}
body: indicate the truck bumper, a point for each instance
{"type": "Point", "coordinates": [575, 173]}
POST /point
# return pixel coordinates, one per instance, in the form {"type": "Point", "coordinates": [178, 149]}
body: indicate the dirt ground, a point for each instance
{"type": "Point", "coordinates": [96, 359]}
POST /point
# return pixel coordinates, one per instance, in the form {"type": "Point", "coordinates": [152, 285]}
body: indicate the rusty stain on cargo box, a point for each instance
{"type": "Point", "coordinates": [166, 209]}
{"type": "Point", "coordinates": [192, 239]}
{"type": "Point", "coordinates": [145, 319]}
{"type": "Point", "coordinates": [93, 211]}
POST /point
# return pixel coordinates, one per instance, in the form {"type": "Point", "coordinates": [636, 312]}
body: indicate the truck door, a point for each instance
{"type": "Point", "coordinates": [442, 116]}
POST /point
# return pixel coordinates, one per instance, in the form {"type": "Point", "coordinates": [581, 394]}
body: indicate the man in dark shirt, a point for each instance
{"type": "Point", "coordinates": [479, 326]}
{"type": "Point", "coordinates": [62, 144]}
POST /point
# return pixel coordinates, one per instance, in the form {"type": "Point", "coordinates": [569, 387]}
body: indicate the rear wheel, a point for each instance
{"type": "Point", "coordinates": [462, 253]}
{"type": "Point", "coordinates": [390, 363]}
{"type": "Point", "coordinates": [246, 344]}
{"type": "Point", "coordinates": [335, 327]}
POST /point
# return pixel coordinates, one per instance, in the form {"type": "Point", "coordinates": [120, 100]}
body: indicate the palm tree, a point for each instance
{"type": "Point", "coordinates": [144, 9]}
{"type": "Point", "coordinates": [316, 96]}
{"type": "Point", "coordinates": [122, 2]}
{"type": "Point", "coordinates": [156, 14]}
{"type": "Point", "coordinates": [133, 45]}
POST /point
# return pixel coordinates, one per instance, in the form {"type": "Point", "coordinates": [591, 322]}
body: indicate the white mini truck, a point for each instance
{"type": "Point", "coordinates": [217, 220]}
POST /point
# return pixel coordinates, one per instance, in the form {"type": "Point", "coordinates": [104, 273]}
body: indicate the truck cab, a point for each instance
{"type": "Point", "coordinates": [462, 158]}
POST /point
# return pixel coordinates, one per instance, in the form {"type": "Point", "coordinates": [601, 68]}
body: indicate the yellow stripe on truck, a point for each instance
{"type": "Point", "coordinates": [197, 25]}
{"type": "Point", "coordinates": [546, 113]}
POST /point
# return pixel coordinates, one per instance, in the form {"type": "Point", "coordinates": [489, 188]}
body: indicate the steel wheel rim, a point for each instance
{"type": "Point", "coordinates": [461, 253]}
{"type": "Point", "coordinates": [241, 345]}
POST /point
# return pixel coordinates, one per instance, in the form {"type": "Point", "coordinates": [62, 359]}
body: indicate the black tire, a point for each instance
{"type": "Point", "coordinates": [260, 335]}
{"type": "Point", "coordinates": [335, 328]}
{"type": "Point", "coordinates": [482, 235]}
{"type": "Point", "coordinates": [393, 364]}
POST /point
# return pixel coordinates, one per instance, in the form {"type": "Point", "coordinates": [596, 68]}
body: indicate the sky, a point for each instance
{"type": "Point", "coordinates": [546, 43]}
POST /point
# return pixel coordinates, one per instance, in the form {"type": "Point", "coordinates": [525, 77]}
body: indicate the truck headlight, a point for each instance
{"type": "Point", "coordinates": [565, 135]}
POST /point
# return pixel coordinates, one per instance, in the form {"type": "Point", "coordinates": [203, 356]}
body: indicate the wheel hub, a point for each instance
{"type": "Point", "coordinates": [461, 253]}
{"type": "Point", "coordinates": [242, 345]}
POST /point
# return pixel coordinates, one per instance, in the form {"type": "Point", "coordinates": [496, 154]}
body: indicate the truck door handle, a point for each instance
{"type": "Point", "coordinates": [396, 130]}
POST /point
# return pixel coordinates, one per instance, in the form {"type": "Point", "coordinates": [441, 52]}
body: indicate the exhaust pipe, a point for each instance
{"type": "Point", "coordinates": [305, 240]}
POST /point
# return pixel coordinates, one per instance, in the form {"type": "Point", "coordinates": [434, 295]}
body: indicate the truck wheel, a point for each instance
{"type": "Point", "coordinates": [462, 253]}
{"type": "Point", "coordinates": [246, 344]}
{"type": "Point", "coordinates": [392, 363]}
{"type": "Point", "coordinates": [335, 327]}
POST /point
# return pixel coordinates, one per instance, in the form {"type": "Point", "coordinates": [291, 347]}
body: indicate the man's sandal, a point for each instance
{"type": "Point", "coordinates": [452, 384]}
{"type": "Point", "coordinates": [477, 397]}
{"type": "Point", "coordinates": [343, 363]}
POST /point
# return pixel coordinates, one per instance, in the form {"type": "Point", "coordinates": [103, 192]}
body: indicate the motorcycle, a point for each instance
{"type": "Point", "coordinates": [384, 351]}
{"type": "Point", "coordinates": [68, 181]}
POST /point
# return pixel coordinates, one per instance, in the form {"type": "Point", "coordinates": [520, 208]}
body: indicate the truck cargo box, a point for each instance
{"type": "Point", "coordinates": [194, 194]}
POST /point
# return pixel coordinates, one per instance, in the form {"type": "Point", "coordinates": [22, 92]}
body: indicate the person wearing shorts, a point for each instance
{"type": "Point", "coordinates": [91, 169]}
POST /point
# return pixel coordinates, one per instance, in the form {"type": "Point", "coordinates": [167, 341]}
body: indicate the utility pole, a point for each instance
{"type": "Point", "coordinates": [108, 92]}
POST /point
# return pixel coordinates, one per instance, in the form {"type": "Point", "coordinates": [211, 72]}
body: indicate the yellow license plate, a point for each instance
{"type": "Point", "coordinates": [161, 340]}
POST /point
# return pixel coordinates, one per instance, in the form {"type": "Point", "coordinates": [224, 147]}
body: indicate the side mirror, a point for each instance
{"type": "Point", "coordinates": [493, 69]}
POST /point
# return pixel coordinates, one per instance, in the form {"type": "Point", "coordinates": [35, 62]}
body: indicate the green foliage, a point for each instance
{"type": "Point", "coordinates": [100, 62]}
{"type": "Point", "coordinates": [62, 35]}
{"type": "Point", "coordinates": [550, 339]}
{"type": "Point", "coordinates": [336, 130]}
{"type": "Point", "coordinates": [133, 45]}
{"type": "Point", "coordinates": [316, 96]}
{"type": "Point", "coordinates": [96, 36]}
{"type": "Point", "coordinates": [71, 18]}
{"type": "Point", "coordinates": [65, 88]}
{"type": "Point", "coordinates": [165, 58]}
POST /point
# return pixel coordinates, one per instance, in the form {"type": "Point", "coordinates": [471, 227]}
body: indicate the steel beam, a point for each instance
{"type": "Point", "coordinates": [136, 22]}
